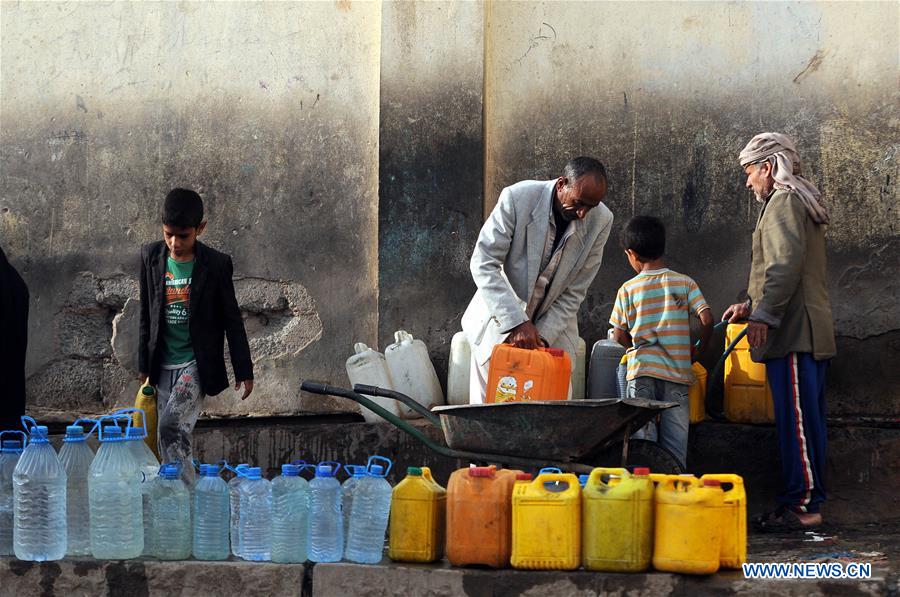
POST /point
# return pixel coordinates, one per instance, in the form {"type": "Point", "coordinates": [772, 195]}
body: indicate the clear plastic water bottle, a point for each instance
{"type": "Point", "coordinates": [255, 524]}
{"type": "Point", "coordinates": [39, 501]}
{"type": "Point", "coordinates": [211, 515]}
{"type": "Point", "coordinates": [326, 526]}
{"type": "Point", "coordinates": [10, 450]}
{"type": "Point", "coordinates": [142, 454]}
{"type": "Point", "coordinates": [235, 505]}
{"type": "Point", "coordinates": [368, 523]}
{"type": "Point", "coordinates": [76, 457]}
{"type": "Point", "coordinates": [148, 466]}
{"type": "Point", "coordinates": [290, 516]}
{"type": "Point", "coordinates": [169, 529]}
{"type": "Point", "coordinates": [114, 495]}
{"type": "Point", "coordinates": [357, 472]}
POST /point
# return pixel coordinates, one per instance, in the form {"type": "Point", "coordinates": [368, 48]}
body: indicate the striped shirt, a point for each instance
{"type": "Point", "coordinates": [655, 308]}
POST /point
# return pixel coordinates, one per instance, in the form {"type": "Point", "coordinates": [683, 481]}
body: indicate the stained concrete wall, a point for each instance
{"type": "Point", "coordinates": [666, 94]}
{"type": "Point", "coordinates": [270, 110]}
{"type": "Point", "coordinates": [320, 133]}
{"type": "Point", "coordinates": [430, 166]}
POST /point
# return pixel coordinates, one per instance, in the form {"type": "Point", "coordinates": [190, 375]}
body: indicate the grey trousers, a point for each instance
{"type": "Point", "coordinates": [178, 403]}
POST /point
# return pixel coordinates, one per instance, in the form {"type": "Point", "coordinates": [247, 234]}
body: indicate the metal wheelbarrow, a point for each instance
{"type": "Point", "coordinates": [574, 435]}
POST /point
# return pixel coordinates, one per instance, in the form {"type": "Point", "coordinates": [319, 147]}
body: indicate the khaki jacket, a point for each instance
{"type": "Point", "coordinates": [788, 285]}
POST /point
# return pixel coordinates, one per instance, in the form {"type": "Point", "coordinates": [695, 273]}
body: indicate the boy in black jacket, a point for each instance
{"type": "Point", "coordinates": [188, 307]}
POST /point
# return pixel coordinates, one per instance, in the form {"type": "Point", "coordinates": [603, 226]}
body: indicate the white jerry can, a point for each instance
{"type": "Point", "coordinates": [413, 373]}
{"type": "Point", "coordinates": [459, 369]}
{"type": "Point", "coordinates": [369, 366]}
{"type": "Point", "coordinates": [579, 371]}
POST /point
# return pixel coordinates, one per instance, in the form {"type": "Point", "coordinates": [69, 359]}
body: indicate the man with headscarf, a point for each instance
{"type": "Point", "coordinates": [13, 341]}
{"type": "Point", "coordinates": [790, 326]}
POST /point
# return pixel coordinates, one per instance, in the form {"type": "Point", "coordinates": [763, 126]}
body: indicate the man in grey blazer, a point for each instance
{"type": "Point", "coordinates": [535, 257]}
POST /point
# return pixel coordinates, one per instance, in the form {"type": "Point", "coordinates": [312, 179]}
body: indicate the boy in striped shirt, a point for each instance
{"type": "Point", "coordinates": [651, 318]}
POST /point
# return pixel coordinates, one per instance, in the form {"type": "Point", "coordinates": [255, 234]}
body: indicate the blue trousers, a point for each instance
{"type": "Point", "coordinates": [798, 391]}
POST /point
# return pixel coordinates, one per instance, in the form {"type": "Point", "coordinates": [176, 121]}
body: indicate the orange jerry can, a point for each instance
{"type": "Point", "coordinates": [479, 516]}
{"type": "Point", "coordinates": [520, 374]}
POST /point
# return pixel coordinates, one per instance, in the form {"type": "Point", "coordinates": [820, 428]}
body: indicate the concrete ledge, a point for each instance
{"type": "Point", "coordinates": [388, 579]}
{"type": "Point", "coordinates": [149, 578]}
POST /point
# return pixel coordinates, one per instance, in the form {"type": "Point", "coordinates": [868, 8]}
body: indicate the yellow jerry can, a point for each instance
{"type": "Point", "coordinates": [688, 526]}
{"type": "Point", "coordinates": [418, 511]}
{"type": "Point", "coordinates": [546, 529]}
{"type": "Point", "coordinates": [748, 398]}
{"type": "Point", "coordinates": [733, 550]}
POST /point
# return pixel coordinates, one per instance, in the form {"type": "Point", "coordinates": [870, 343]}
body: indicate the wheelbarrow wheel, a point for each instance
{"type": "Point", "coordinates": [641, 453]}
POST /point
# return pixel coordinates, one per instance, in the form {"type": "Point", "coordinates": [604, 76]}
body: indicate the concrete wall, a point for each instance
{"type": "Point", "coordinates": [270, 110]}
{"type": "Point", "coordinates": [666, 94]}
{"type": "Point", "coordinates": [430, 166]}
{"type": "Point", "coordinates": [348, 151]}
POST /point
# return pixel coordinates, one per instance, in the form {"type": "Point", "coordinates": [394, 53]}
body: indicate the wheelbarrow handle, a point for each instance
{"type": "Point", "coordinates": [362, 388]}
{"type": "Point", "coordinates": [317, 387]}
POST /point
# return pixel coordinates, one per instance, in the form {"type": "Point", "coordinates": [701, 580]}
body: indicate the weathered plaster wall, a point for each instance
{"type": "Point", "coordinates": [270, 110]}
{"type": "Point", "coordinates": [431, 168]}
{"type": "Point", "coordinates": [666, 94]}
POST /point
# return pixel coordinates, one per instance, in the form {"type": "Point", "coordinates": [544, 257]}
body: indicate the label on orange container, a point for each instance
{"type": "Point", "coordinates": [520, 374]}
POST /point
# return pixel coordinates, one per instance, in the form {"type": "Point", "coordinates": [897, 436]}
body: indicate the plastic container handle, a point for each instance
{"type": "Point", "coordinates": [17, 432]}
{"type": "Point", "coordinates": [94, 427]}
{"type": "Point", "coordinates": [401, 336]}
{"type": "Point", "coordinates": [115, 417]}
{"type": "Point", "coordinates": [551, 477]}
{"type": "Point", "coordinates": [132, 411]}
{"type": "Point", "coordinates": [600, 471]}
{"type": "Point", "coordinates": [375, 459]}
{"type": "Point", "coordinates": [25, 421]}
{"type": "Point", "coordinates": [549, 470]}
{"type": "Point", "coordinates": [734, 480]}
{"type": "Point", "coordinates": [336, 466]}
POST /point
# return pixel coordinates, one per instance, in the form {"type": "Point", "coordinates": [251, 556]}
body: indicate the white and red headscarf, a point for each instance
{"type": "Point", "coordinates": [779, 151]}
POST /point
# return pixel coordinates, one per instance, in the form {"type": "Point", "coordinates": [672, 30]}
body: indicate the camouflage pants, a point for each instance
{"type": "Point", "coordinates": [178, 403]}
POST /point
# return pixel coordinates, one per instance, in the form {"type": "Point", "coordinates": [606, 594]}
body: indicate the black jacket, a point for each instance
{"type": "Point", "coordinates": [214, 315]}
{"type": "Point", "coordinates": [13, 344]}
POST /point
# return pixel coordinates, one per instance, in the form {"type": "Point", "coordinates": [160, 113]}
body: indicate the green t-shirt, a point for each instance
{"type": "Point", "coordinates": [176, 334]}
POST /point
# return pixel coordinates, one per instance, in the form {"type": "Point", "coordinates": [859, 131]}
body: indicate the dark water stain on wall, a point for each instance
{"type": "Point", "coordinates": [430, 213]}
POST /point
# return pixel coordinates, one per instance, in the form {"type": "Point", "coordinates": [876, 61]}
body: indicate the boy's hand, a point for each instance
{"type": "Point", "coordinates": [696, 352]}
{"type": "Point", "coordinates": [736, 312]}
{"type": "Point", "coordinates": [142, 378]}
{"type": "Point", "coordinates": [248, 387]}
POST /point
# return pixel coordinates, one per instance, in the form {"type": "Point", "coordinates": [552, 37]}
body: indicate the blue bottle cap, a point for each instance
{"type": "Point", "coordinates": [290, 470]}
{"type": "Point", "coordinates": [253, 472]}
{"type": "Point", "coordinates": [75, 433]}
{"type": "Point", "coordinates": [583, 479]}
{"type": "Point", "coordinates": [112, 433]}
{"type": "Point", "coordinates": [357, 470]}
{"type": "Point", "coordinates": [38, 434]}
{"type": "Point", "coordinates": [243, 465]}
{"type": "Point", "coordinates": [134, 433]}
{"type": "Point", "coordinates": [167, 471]}
{"type": "Point", "coordinates": [11, 446]}
{"type": "Point", "coordinates": [376, 470]}
{"type": "Point", "coordinates": [324, 470]}
{"type": "Point", "coordinates": [209, 470]}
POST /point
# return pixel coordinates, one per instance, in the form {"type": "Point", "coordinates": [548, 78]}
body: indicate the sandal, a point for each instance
{"type": "Point", "coordinates": [782, 520]}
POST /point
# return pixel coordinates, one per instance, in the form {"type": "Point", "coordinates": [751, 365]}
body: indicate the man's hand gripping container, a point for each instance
{"type": "Point", "coordinates": [546, 531]}
{"type": "Point", "coordinates": [617, 520]}
{"type": "Point", "coordinates": [520, 374]}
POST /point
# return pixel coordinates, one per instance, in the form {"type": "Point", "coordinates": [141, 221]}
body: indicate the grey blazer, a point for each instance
{"type": "Point", "coordinates": [505, 266]}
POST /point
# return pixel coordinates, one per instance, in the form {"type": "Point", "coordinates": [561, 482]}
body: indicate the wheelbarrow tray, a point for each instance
{"type": "Point", "coordinates": [564, 429]}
